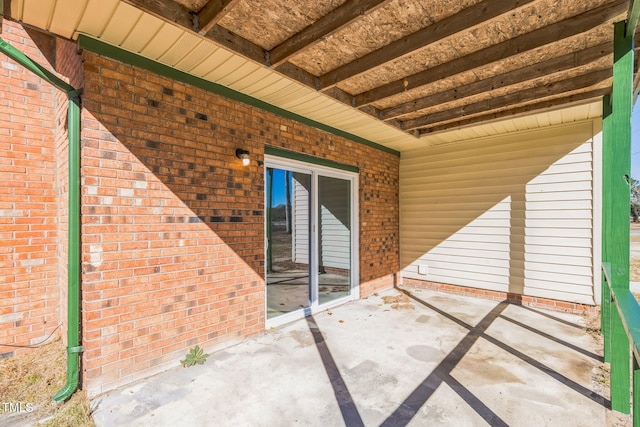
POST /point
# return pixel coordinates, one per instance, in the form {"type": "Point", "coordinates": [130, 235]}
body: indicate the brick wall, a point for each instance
{"type": "Point", "coordinates": [28, 201]}
{"type": "Point", "coordinates": [173, 224]}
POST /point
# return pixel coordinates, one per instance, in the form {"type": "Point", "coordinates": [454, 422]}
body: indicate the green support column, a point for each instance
{"type": "Point", "coordinates": [636, 393]}
{"type": "Point", "coordinates": [605, 307]}
{"type": "Point", "coordinates": [616, 170]}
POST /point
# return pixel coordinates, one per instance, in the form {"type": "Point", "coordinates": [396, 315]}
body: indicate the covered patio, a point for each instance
{"type": "Point", "coordinates": [478, 147]}
{"type": "Point", "coordinates": [390, 359]}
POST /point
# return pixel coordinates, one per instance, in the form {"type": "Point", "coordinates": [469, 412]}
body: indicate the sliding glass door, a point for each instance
{"type": "Point", "coordinates": [288, 240]}
{"type": "Point", "coordinates": [310, 239]}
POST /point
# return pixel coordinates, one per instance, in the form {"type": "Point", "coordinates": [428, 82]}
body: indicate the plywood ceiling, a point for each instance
{"type": "Point", "coordinates": [403, 69]}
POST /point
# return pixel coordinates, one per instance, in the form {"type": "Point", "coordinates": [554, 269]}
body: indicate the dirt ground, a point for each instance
{"type": "Point", "coordinates": [27, 384]}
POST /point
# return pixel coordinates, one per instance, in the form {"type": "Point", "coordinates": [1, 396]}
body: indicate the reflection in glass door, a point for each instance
{"type": "Point", "coordinates": [310, 234]}
{"type": "Point", "coordinates": [334, 238]}
{"type": "Point", "coordinates": [288, 242]}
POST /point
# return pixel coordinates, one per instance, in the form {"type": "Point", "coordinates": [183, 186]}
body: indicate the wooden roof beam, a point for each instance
{"type": "Point", "coordinates": [565, 101]}
{"type": "Point", "coordinates": [172, 12]}
{"type": "Point", "coordinates": [560, 30]}
{"type": "Point", "coordinates": [463, 20]}
{"type": "Point", "coordinates": [330, 23]}
{"type": "Point", "coordinates": [511, 99]}
{"type": "Point", "coordinates": [633, 14]}
{"type": "Point", "coordinates": [167, 10]}
{"type": "Point", "coordinates": [550, 66]}
{"type": "Point", "coordinates": [211, 13]}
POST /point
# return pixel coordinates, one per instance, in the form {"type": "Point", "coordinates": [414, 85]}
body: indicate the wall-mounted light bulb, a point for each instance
{"type": "Point", "coordinates": [244, 156]}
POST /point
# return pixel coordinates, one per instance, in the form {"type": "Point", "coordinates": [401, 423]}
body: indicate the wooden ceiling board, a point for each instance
{"type": "Point", "coordinates": [162, 41]}
{"type": "Point", "coordinates": [278, 90]}
{"type": "Point", "coordinates": [66, 16]}
{"type": "Point", "coordinates": [543, 80]}
{"type": "Point", "coordinates": [231, 79]}
{"type": "Point", "coordinates": [200, 52]}
{"type": "Point", "coordinates": [39, 12]}
{"type": "Point", "coordinates": [498, 30]}
{"type": "Point", "coordinates": [385, 25]}
{"type": "Point", "coordinates": [255, 78]}
{"type": "Point", "coordinates": [183, 46]}
{"type": "Point", "coordinates": [16, 8]}
{"type": "Point", "coordinates": [277, 20]}
{"type": "Point", "coordinates": [229, 66]}
{"type": "Point", "coordinates": [193, 5]}
{"type": "Point", "coordinates": [217, 57]}
{"type": "Point", "coordinates": [121, 24]}
{"type": "Point", "coordinates": [96, 16]}
{"type": "Point", "coordinates": [145, 30]}
{"type": "Point", "coordinates": [447, 68]}
{"type": "Point", "coordinates": [271, 84]}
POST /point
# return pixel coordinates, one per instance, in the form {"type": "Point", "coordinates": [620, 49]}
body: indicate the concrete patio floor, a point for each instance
{"type": "Point", "coordinates": [438, 360]}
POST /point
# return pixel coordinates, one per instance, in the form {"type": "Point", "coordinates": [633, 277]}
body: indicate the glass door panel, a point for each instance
{"type": "Point", "coordinates": [334, 238]}
{"type": "Point", "coordinates": [288, 241]}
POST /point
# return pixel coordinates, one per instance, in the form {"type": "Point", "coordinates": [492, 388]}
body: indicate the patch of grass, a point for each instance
{"type": "Point", "coordinates": [75, 412]}
{"type": "Point", "coordinates": [32, 378]}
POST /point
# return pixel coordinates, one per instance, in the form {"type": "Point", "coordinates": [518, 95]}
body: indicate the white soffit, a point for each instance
{"type": "Point", "coordinates": [120, 24]}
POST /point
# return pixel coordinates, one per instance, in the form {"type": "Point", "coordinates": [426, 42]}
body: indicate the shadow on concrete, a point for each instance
{"type": "Point", "coordinates": [348, 408]}
{"type": "Point", "coordinates": [442, 373]}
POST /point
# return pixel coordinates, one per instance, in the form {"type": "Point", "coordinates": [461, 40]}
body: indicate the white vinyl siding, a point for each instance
{"type": "Point", "coordinates": [510, 213]}
{"type": "Point", "coordinates": [335, 228]}
{"type": "Point", "coordinates": [300, 213]}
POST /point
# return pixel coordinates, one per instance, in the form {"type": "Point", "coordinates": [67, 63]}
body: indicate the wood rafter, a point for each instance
{"type": "Point", "coordinates": [579, 98]}
{"type": "Point", "coordinates": [166, 10]}
{"type": "Point", "coordinates": [512, 99]}
{"type": "Point", "coordinates": [465, 19]}
{"type": "Point", "coordinates": [222, 22]}
{"type": "Point", "coordinates": [323, 27]}
{"type": "Point", "coordinates": [633, 14]}
{"type": "Point", "coordinates": [526, 42]}
{"type": "Point", "coordinates": [169, 11]}
{"type": "Point", "coordinates": [550, 66]}
{"type": "Point", "coordinates": [212, 13]}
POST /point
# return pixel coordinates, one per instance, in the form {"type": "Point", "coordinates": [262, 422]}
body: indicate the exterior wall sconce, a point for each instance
{"type": "Point", "coordinates": [244, 156]}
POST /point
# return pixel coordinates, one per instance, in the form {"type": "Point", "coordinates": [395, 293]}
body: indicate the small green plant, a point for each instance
{"type": "Point", "coordinates": [195, 356]}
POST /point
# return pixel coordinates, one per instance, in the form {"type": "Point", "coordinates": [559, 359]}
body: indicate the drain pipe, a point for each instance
{"type": "Point", "coordinates": [73, 256]}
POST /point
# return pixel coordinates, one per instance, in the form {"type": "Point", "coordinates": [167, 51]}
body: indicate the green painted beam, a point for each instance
{"type": "Point", "coordinates": [633, 14]}
{"type": "Point", "coordinates": [616, 168]}
{"type": "Point", "coordinates": [34, 67]}
{"type": "Point", "coordinates": [127, 57]}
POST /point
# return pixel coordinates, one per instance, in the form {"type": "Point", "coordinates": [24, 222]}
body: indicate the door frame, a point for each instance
{"type": "Point", "coordinates": [315, 170]}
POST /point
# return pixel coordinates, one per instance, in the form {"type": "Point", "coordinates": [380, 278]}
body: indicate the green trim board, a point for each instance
{"type": "Point", "coordinates": [114, 52]}
{"type": "Point", "coordinates": [292, 155]}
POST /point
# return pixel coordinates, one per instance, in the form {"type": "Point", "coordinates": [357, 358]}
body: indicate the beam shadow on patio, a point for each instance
{"type": "Point", "coordinates": [436, 359]}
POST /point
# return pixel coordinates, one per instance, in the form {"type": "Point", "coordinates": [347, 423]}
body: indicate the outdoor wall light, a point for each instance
{"type": "Point", "coordinates": [243, 155]}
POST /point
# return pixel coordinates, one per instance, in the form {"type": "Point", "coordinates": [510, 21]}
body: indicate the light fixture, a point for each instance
{"type": "Point", "coordinates": [243, 155]}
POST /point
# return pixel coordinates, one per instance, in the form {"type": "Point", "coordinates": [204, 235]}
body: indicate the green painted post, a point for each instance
{"type": "Point", "coordinates": [636, 393]}
{"type": "Point", "coordinates": [616, 242]}
{"type": "Point", "coordinates": [605, 305]}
